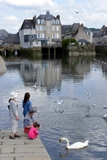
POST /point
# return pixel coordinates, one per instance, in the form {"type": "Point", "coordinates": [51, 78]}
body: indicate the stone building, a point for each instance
{"type": "Point", "coordinates": [77, 31]}
{"type": "Point", "coordinates": [41, 30]}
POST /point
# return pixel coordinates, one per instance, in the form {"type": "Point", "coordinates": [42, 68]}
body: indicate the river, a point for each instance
{"type": "Point", "coordinates": [79, 83]}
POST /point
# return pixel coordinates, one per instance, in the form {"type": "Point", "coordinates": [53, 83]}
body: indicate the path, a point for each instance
{"type": "Point", "coordinates": [21, 148]}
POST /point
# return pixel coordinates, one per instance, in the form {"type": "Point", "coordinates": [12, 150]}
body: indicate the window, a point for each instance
{"type": "Point", "coordinates": [36, 42]}
{"type": "Point", "coordinates": [38, 28]}
{"type": "Point", "coordinates": [53, 22]}
{"type": "Point", "coordinates": [27, 26]}
{"type": "Point", "coordinates": [53, 35]}
{"type": "Point", "coordinates": [48, 30]}
{"type": "Point", "coordinates": [26, 38]}
{"type": "Point", "coordinates": [48, 23]}
{"type": "Point", "coordinates": [57, 28]}
{"type": "Point", "coordinates": [43, 28]}
{"type": "Point", "coordinates": [53, 28]}
{"type": "Point", "coordinates": [57, 21]}
{"type": "Point", "coordinates": [42, 21]}
{"type": "Point", "coordinates": [57, 35]}
{"type": "Point", "coordinates": [38, 21]}
{"type": "Point", "coordinates": [32, 37]}
{"type": "Point", "coordinates": [43, 35]}
{"type": "Point", "coordinates": [38, 35]}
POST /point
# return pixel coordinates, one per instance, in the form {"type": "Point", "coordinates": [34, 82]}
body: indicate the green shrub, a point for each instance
{"type": "Point", "coordinates": [65, 42]}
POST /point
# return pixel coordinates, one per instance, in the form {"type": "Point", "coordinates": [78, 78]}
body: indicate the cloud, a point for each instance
{"type": "Point", "coordinates": [11, 18]}
{"type": "Point", "coordinates": [25, 3]}
{"type": "Point", "coordinates": [10, 23]}
{"type": "Point", "coordinates": [91, 13]}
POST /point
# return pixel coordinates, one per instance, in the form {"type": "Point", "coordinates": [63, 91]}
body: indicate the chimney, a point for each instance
{"type": "Point", "coordinates": [58, 16]}
{"type": "Point", "coordinates": [34, 18]}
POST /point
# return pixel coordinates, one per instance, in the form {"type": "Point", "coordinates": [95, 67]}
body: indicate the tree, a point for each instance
{"type": "Point", "coordinates": [66, 42]}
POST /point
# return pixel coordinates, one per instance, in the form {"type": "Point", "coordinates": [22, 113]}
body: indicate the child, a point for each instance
{"type": "Point", "coordinates": [33, 132]}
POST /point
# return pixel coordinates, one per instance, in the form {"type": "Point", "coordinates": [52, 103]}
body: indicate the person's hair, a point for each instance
{"type": "Point", "coordinates": [36, 124]}
{"type": "Point", "coordinates": [9, 100]}
{"type": "Point", "coordinates": [26, 97]}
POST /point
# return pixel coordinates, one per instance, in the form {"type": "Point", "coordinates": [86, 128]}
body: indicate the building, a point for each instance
{"type": "Point", "coordinates": [77, 31]}
{"type": "Point", "coordinates": [41, 30]}
{"type": "Point", "coordinates": [11, 39]}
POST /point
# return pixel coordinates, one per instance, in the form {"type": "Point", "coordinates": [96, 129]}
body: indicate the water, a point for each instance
{"type": "Point", "coordinates": [68, 80]}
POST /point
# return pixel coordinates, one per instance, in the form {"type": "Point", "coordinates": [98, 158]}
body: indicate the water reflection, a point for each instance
{"type": "Point", "coordinates": [63, 155]}
{"type": "Point", "coordinates": [69, 80]}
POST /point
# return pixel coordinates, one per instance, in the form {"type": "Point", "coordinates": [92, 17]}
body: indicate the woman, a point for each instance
{"type": "Point", "coordinates": [27, 106]}
{"type": "Point", "coordinates": [13, 112]}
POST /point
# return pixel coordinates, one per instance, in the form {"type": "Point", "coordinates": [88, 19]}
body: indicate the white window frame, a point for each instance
{"type": "Point", "coordinates": [53, 28]}
{"type": "Point", "coordinates": [53, 21]}
{"type": "Point", "coordinates": [57, 35]}
{"type": "Point", "coordinates": [57, 28]}
{"type": "Point", "coordinates": [38, 35]}
{"type": "Point", "coordinates": [38, 21]}
{"type": "Point", "coordinates": [42, 35]}
{"type": "Point", "coordinates": [42, 21]}
{"type": "Point", "coordinates": [48, 30]}
{"type": "Point", "coordinates": [48, 23]}
{"type": "Point", "coordinates": [57, 21]}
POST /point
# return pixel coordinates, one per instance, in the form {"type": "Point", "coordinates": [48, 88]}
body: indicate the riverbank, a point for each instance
{"type": "Point", "coordinates": [87, 49]}
{"type": "Point", "coordinates": [2, 66]}
{"type": "Point", "coordinates": [21, 148]}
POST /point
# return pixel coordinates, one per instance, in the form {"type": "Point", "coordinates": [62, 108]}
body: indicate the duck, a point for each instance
{"type": "Point", "coordinates": [76, 145]}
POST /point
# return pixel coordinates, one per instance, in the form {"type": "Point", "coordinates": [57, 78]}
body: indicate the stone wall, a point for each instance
{"type": "Point", "coordinates": [2, 66]}
{"type": "Point", "coordinates": [88, 49]}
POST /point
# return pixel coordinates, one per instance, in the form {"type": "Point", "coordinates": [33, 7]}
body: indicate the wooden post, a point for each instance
{"type": "Point", "coordinates": [54, 53]}
{"type": "Point", "coordinates": [49, 52]}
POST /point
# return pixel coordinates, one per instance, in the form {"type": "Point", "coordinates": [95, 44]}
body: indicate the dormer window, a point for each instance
{"type": "Point", "coordinates": [53, 21]}
{"type": "Point", "coordinates": [38, 21]}
{"type": "Point", "coordinates": [42, 21]}
{"type": "Point", "coordinates": [57, 21]}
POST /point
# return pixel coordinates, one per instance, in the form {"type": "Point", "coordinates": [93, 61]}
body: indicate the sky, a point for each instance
{"type": "Point", "coordinates": [92, 13]}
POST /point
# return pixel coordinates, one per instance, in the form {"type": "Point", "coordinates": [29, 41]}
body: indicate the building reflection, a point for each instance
{"type": "Point", "coordinates": [48, 74]}
{"type": "Point", "coordinates": [77, 67]}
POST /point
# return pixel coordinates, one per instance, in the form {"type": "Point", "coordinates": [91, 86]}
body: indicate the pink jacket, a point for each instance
{"type": "Point", "coordinates": [33, 133]}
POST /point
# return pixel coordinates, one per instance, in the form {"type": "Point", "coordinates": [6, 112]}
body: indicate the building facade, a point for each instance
{"type": "Point", "coordinates": [77, 31]}
{"type": "Point", "coordinates": [41, 30]}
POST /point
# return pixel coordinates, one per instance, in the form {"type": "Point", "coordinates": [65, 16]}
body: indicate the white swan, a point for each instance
{"type": "Point", "coordinates": [77, 145]}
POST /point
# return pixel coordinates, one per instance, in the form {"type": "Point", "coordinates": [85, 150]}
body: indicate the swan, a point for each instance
{"type": "Point", "coordinates": [77, 145]}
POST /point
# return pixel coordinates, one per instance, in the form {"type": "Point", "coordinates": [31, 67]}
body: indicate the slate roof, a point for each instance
{"type": "Point", "coordinates": [82, 40]}
{"type": "Point", "coordinates": [65, 29]}
{"type": "Point", "coordinates": [70, 29]}
{"type": "Point", "coordinates": [12, 38]}
{"type": "Point", "coordinates": [28, 24]}
{"type": "Point", "coordinates": [96, 35]}
{"type": "Point", "coordinates": [48, 16]}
